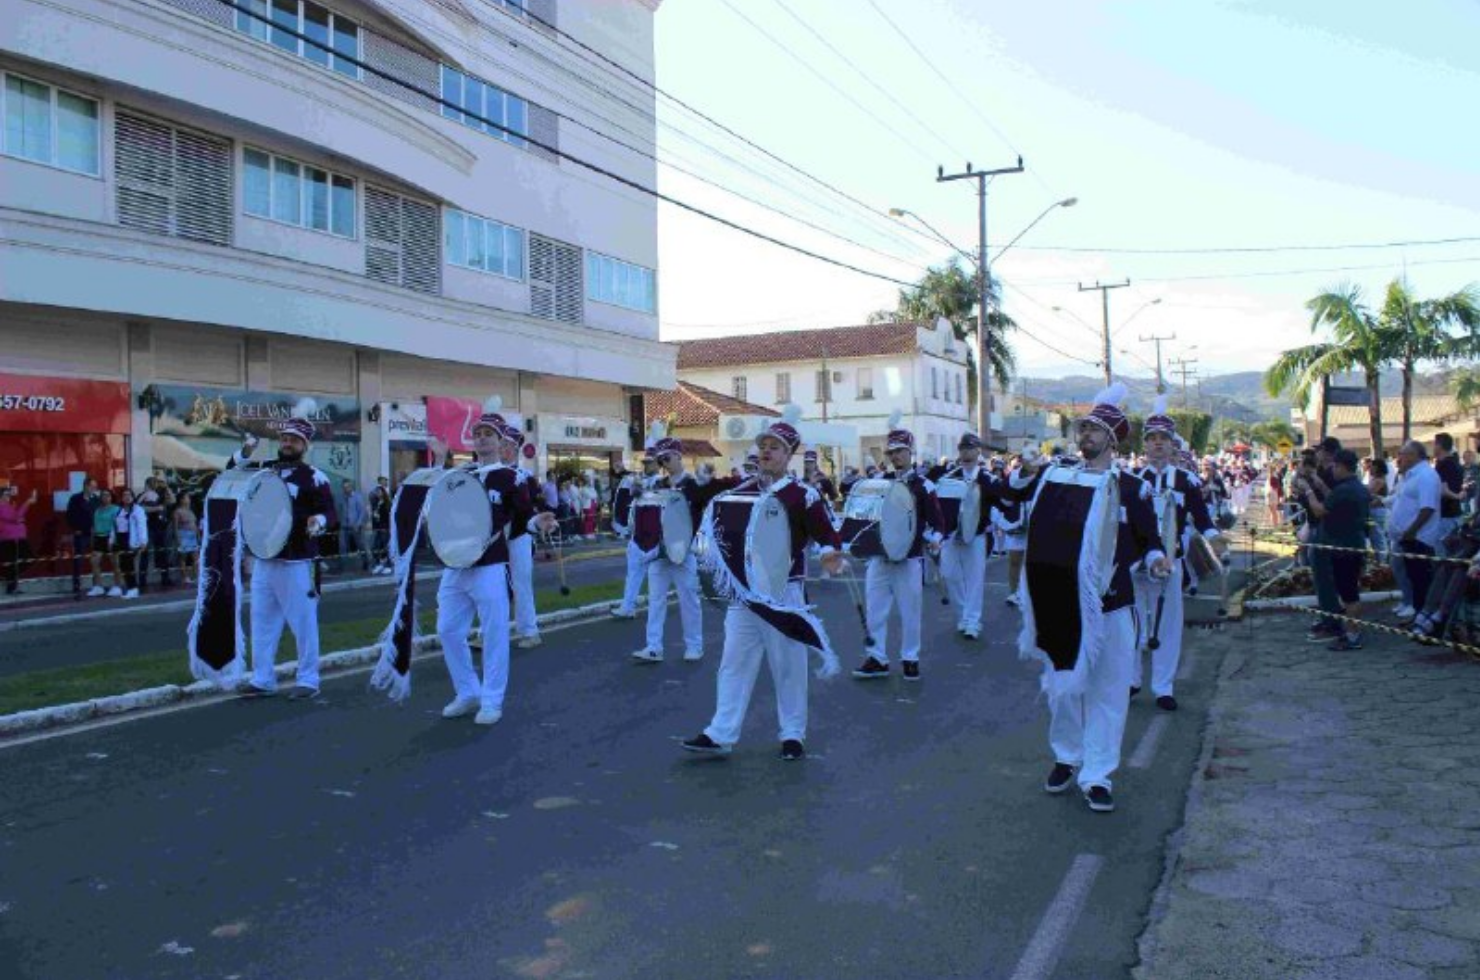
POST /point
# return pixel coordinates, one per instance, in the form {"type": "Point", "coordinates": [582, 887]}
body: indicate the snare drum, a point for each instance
{"type": "Point", "coordinates": [879, 520]}
{"type": "Point", "coordinates": [460, 520]}
{"type": "Point", "coordinates": [662, 518]}
{"type": "Point", "coordinates": [264, 508]}
{"type": "Point", "coordinates": [1202, 559]}
{"type": "Point", "coordinates": [960, 506]}
{"type": "Point", "coordinates": [756, 542]}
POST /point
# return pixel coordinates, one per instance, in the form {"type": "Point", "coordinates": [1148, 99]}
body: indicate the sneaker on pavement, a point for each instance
{"type": "Point", "coordinates": [1349, 643]}
{"type": "Point", "coordinates": [250, 690]}
{"type": "Point", "coordinates": [646, 656]}
{"type": "Point", "coordinates": [1060, 778]}
{"type": "Point", "coordinates": [1099, 799]}
{"type": "Point", "coordinates": [693, 655]}
{"type": "Point", "coordinates": [301, 693]}
{"type": "Point", "coordinates": [488, 716]}
{"type": "Point", "coordinates": [131, 594]}
{"type": "Point", "coordinates": [871, 669]}
{"type": "Point", "coordinates": [1322, 634]}
{"type": "Point", "coordinates": [704, 745]}
{"type": "Point", "coordinates": [529, 642]}
{"type": "Point", "coordinates": [1404, 612]}
{"type": "Point", "coordinates": [115, 592]}
{"type": "Point", "coordinates": [911, 670]}
{"type": "Point", "coordinates": [458, 707]}
{"type": "Point", "coordinates": [96, 591]}
{"type": "Point", "coordinates": [972, 633]}
{"type": "Point", "coordinates": [617, 612]}
{"type": "Point", "coordinates": [792, 750]}
{"type": "Point", "coordinates": [1166, 703]}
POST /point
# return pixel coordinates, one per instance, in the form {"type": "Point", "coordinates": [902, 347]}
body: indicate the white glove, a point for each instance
{"type": "Point", "coordinates": [316, 525]}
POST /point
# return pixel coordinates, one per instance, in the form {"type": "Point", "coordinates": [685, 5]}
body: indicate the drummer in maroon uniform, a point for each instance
{"type": "Point", "coordinates": [755, 626]}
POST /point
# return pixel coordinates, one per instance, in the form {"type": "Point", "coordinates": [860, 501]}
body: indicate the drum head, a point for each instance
{"type": "Point", "coordinates": [427, 476]}
{"type": "Point", "coordinates": [866, 499]}
{"type": "Point", "coordinates": [971, 513]}
{"type": "Point", "coordinates": [266, 514]}
{"type": "Point", "coordinates": [768, 549]}
{"type": "Point", "coordinates": [459, 518]}
{"type": "Point", "coordinates": [678, 528]}
{"type": "Point", "coordinates": [897, 522]}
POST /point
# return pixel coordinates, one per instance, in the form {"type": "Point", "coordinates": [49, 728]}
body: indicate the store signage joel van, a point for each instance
{"type": "Point", "coordinates": [192, 412]}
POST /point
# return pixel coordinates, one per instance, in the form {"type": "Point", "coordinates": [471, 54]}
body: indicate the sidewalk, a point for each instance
{"type": "Point", "coordinates": [1333, 827]}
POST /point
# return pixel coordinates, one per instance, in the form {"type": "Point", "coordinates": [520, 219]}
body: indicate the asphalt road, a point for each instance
{"type": "Point", "coordinates": [57, 640]}
{"type": "Point", "coordinates": [352, 838]}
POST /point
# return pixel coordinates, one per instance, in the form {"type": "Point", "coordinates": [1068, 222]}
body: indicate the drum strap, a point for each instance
{"type": "Point", "coordinates": [397, 642]}
{"type": "Point", "coordinates": [218, 645]}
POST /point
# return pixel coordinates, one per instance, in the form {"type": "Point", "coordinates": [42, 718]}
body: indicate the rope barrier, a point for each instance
{"type": "Point", "coordinates": [1433, 641]}
{"type": "Point", "coordinates": [1383, 555]}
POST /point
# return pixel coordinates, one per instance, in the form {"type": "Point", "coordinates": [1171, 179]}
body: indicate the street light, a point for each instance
{"type": "Point", "coordinates": [1139, 310]}
{"type": "Point", "coordinates": [1067, 202]}
{"type": "Point", "coordinates": [904, 212]}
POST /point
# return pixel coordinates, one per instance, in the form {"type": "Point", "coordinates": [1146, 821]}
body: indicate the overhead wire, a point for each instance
{"type": "Point", "coordinates": [1269, 273]}
{"type": "Point", "coordinates": [1252, 249]}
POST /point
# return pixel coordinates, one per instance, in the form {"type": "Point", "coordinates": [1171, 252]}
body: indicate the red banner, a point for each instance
{"type": "Point", "coordinates": [29, 403]}
{"type": "Point", "coordinates": [451, 420]}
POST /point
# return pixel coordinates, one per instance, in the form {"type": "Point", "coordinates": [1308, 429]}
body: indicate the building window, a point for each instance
{"type": "Point", "coordinates": [865, 383]}
{"type": "Point", "coordinates": [296, 193]}
{"type": "Point", "coordinates": [515, 7]}
{"type": "Point", "coordinates": [960, 394]}
{"type": "Point", "coordinates": [50, 126]}
{"type": "Point", "coordinates": [824, 387]}
{"type": "Point", "coordinates": [783, 387]}
{"type": "Point", "coordinates": [934, 382]}
{"type": "Point", "coordinates": [470, 100]}
{"type": "Point", "coordinates": [619, 283]}
{"type": "Point", "coordinates": [338, 34]}
{"type": "Point", "coordinates": [488, 246]}
{"type": "Point", "coordinates": [738, 387]}
{"type": "Point", "coordinates": [402, 241]}
{"type": "Point", "coordinates": [173, 181]}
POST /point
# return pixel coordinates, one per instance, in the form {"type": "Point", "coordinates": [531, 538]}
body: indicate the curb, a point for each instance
{"type": "Point", "coordinates": [60, 715]}
{"type": "Point", "coordinates": [1308, 601]}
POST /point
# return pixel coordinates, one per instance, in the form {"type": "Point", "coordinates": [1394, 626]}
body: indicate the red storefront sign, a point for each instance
{"type": "Point", "coordinates": [451, 420]}
{"type": "Point", "coordinates": [29, 403]}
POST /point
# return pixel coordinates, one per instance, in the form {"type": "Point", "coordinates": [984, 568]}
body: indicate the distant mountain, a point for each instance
{"type": "Point", "coordinates": [1239, 396]}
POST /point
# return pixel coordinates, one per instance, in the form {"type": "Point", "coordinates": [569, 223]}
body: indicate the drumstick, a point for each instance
{"type": "Point", "coordinates": [851, 581]}
{"type": "Point", "coordinates": [558, 543]}
{"type": "Point", "coordinates": [940, 580]}
{"type": "Point", "coordinates": [1155, 641]}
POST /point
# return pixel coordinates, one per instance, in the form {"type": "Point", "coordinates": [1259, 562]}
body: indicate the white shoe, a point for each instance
{"type": "Point", "coordinates": [96, 591]}
{"type": "Point", "coordinates": [529, 642]}
{"type": "Point", "coordinates": [1404, 612]}
{"type": "Point", "coordinates": [646, 656]}
{"type": "Point", "coordinates": [131, 594]}
{"type": "Point", "coordinates": [115, 592]}
{"type": "Point", "coordinates": [692, 655]}
{"type": "Point", "coordinates": [458, 707]}
{"type": "Point", "coordinates": [1012, 600]}
{"type": "Point", "coordinates": [617, 612]}
{"type": "Point", "coordinates": [972, 633]}
{"type": "Point", "coordinates": [488, 716]}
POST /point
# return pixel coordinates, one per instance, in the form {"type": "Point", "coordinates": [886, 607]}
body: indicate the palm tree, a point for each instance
{"type": "Point", "coordinates": [1419, 330]}
{"type": "Point", "coordinates": [1358, 343]}
{"type": "Point", "coordinates": [1464, 385]}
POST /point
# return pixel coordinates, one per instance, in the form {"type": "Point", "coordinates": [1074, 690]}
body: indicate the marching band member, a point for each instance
{"type": "Point", "coordinates": [483, 588]}
{"type": "Point", "coordinates": [627, 493]}
{"type": "Point", "coordinates": [521, 544]}
{"type": "Point", "coordinates": [285, 589]}
{"type": "Point", "coordinates": [965, 565]}
{"type": "Point", "coordinates": [662, 573]}
{"type": "Point", "coordinates": [900, 583]}
{"type": "Point", "coordinates": [1171, 485]}
{"type": "Point", "coordinates": [1090, 522]}
{"type": "Point", "coordinates": [754, 628]}
{"type": "Point", "coordinates": [813, 476]}
{"type": "Point", "coordinates": [1009, 520]}
{"type": "Point", "coordinates": [752, 465]}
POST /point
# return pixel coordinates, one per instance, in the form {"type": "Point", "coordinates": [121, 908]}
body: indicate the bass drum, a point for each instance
{"type": "Point", "coordinates": [264, 508]}
{"type": "Point", "coordinates": [459, 518]}
{"type": "Point", "coordinates": [960, 506]}
{"type": "Point", "coordinates": [665, 515]}
{"type": "Point", "coordinates": [756, 528]}
{"type": "Point", "coordinates": [879, 520]}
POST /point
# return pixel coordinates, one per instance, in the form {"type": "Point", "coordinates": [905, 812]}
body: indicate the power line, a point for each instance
{"type": "Point", "coordinates": [1271, 273]}
{"type": "Point", "coordinates": [578, 161]}
{"type": "Point", "coordinates": [1251, 249]}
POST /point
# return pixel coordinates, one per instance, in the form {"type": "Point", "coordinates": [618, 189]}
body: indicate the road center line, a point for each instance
{"type": "Point", "coordinates": [1150, 739]}
{"type": "Point", "coordinates": [1042, 954]}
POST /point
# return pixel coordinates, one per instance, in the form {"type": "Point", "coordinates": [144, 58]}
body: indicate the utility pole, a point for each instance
{"type": "Point", "coordinates": [1183, 367]}
{"type": "Point", "coordinates": [1161, 385]}
{"type": "Point", "coordinates": [1105, 306]}
{"type": "Point", "coordinates": [984, 290]}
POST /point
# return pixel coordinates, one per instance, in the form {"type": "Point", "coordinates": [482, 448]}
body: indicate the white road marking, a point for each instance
{"type": "Point", "coordinates": [1150, 739]}
{"type": "Point", "coordinates": [1184, 671]}
{"type": "Point", "coordinates": [1053, 930]}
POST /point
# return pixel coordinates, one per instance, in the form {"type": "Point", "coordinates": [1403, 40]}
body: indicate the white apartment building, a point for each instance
{"type": "Point", "coordinates": [204, 216]}
{"type": "Point", "coordinates": [853, 376]}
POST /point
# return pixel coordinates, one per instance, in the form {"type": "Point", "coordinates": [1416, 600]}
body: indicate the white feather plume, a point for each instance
{"type": "Point", "coordinates": [493, 404]}
{"type": "Point", "coordinates": [656, 431]}
{"type": "Point", "coordinates": [791, 414]}
{"type": "Point", "coordinates": [1159, 405]}
{"type": "Point", "coordinates": [304, 408]}
{"type": "Point", "coordinates": [1113, 395]}
{"type": "Point", "coordinates": [895, 417]}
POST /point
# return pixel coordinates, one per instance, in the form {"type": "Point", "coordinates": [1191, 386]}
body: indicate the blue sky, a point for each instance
{"type": "Point", "coordinates": [1178, 125]}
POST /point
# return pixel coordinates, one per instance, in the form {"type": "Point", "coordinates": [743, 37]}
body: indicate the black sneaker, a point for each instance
{"type": "Point", "coordinates": [792, 750]}
{"type": "Point", "coordinates": [1352, 643]}
{"type": "Point", "coordinates": [250, 690]}
{"type": "Point", "coordinates": [1166, 703]}
{"type": "Point", "coordinates": [1060, 779]}
{"type": "Point", "coordinates": [871, 669]}
{"type": "Point", "coordinates": [705, 745]}
{"type": "Point", "coordinates": [1135, 691]}
{"type": "Point", "coordinates": [911, 670]}
{"type": "Point", "coordinates": [1323, 634]}
{"type": "Point", "coordinates": [301, 693]}
{"type": "Point", "coordinates": [1099, 799]}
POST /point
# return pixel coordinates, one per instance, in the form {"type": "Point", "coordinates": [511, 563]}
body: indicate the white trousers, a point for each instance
{"type": "Point", "coordinates": [1085, 730]}
{"type": "Point", "coordinates": [483, 591]}
{"type": "Point", "coordinates": [636, 574]}
{"type": "Point", "coordinates": [282, 595]}
{"type": "Point", "coordinates": [1166, 657]}
{"type": "Point", "coordinates": [965, 569]}
{"type": "Point", "coordinates": [521, 575]}
{"type": "Point", "coordinates": [748, 640]}
{"type": "Point", "coordinates": [661, 575]}
{"type": "Point", "coordinates": [888, 584]}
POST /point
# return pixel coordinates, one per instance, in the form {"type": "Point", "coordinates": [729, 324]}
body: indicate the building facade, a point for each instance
{"type": "Point", "coordinates": [211, 209]}
{"type": "Point", "coordinates": [847, 376]}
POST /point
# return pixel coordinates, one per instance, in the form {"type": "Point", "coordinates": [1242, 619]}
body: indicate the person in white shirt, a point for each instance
{"type": "Point", "coordinates": [131, 537]}
{"type": "Point", "coordinates": [1413, 517]}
